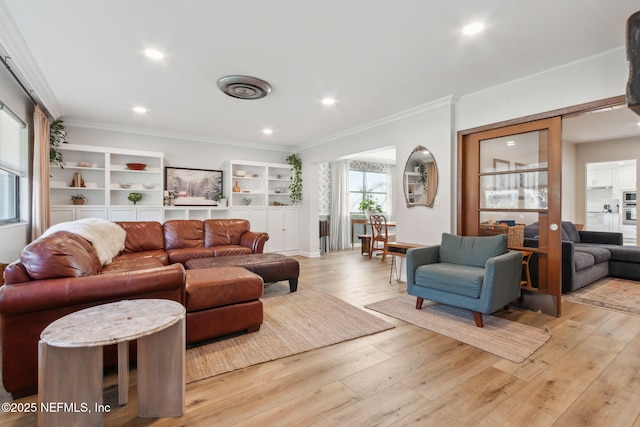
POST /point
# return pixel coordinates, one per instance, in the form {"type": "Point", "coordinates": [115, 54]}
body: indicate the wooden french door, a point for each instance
{"type": "Point", "coordinates": [513, 174]}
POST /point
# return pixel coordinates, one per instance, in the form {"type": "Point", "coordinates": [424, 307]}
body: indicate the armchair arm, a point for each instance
{"type": "Point", "coordinates": [501, 280]}
{"type": "Point", "coordinates": [420, 256]}
{"type": "Point", "coordinates": [254, 240]}
{"type": "Point", "coordinates": [600, 237]}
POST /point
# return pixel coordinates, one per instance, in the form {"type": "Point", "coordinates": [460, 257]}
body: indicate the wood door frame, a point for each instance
{"type": "Point", "coordinates": [561, 113]}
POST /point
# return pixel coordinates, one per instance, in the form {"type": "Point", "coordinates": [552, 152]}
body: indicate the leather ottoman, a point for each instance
{"type": "Point", "coordinates": [221, 301]}
{"type": "Point", "coordinates": [271, 267]}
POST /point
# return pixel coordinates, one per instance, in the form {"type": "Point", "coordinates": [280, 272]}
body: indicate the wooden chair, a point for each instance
{"type": "Point", "coordinates": [380, 235]}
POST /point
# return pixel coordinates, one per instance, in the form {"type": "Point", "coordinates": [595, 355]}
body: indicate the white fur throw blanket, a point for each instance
{"type": "Point", "coordinates": [106, 237]}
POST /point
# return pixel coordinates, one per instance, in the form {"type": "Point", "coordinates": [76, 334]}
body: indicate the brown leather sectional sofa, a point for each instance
{"type": "Point", "coordinates": [60, 274]}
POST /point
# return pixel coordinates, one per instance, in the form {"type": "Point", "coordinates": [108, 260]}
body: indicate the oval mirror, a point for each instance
{"type": "Point", "coordinates": [420, 178]}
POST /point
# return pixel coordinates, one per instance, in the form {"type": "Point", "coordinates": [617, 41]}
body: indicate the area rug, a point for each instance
{"type": "Point", "coordinates": [293, 323]}
{"type": "Point", "coordinates": [614, 294]}
{"type": "Point", "coordinates": [510, 340]}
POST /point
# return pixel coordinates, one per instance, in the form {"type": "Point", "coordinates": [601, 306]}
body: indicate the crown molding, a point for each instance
{"type": "Point", "coordinates": [429, 106]}
{"type": "Point", "coordinates": [24, 64]}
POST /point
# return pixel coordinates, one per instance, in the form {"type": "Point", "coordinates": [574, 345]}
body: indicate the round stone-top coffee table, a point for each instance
{"type": "Point", "coordinates": [70, 361]}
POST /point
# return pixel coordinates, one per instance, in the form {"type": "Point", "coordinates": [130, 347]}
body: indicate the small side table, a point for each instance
{"type": "Point", "coordinates": [398, 249]}
{"type": "Point", "coordinates": [70, 360]}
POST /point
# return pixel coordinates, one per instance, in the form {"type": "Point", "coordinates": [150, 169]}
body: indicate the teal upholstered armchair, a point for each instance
{"type": "Point", "coordinates": [476, 273]}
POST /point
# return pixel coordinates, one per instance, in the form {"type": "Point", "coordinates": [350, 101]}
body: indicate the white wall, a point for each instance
{"type": "Point", "coordinates": [177, 152]}
{"type": "Point", "coordinates": [429, 126]}
{"type": "Point", "coordinates": [591, 79]}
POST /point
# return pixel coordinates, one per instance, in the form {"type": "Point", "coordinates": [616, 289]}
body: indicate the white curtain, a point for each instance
{"type": "Point", "coordinates": [340, 222]}
{"type": "Point", "coordinates": [391, 186]}
{"type": "Point", "coordinates": [40, 217]}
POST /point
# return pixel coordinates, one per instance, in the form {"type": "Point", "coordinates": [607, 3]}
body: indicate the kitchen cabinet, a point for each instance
{"type": "Point", "coordinates": [599, 177]}
{"type": "Point", "coordinates": [603, 221]}
{"type": "Point", "coordinates": [627, 178]}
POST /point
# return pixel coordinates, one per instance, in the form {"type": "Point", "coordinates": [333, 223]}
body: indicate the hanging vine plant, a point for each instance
{"type": "Point", "coordinates": [295, 186]}
{"type": "Point", "coordinates": [57, 136]}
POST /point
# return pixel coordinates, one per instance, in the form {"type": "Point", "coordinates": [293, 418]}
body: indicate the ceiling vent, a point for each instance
{"type": "Point", "coordinates": [244, 87]}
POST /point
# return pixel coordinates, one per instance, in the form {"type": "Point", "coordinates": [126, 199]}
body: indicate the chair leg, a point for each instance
{"type": "Point", "coordinates": [419, 303]}
{"type": "Point", "coordinates": [477, 316]}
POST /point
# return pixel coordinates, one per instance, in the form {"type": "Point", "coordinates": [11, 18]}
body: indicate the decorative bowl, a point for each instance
{"type": "Point", "coordinates": [246, 201]}
{"type": "Point", "coordinates": [241, 173]}
{"type": "Point", "coordinates": [136, 166]}
{"type": "Point", "coordinates": [125, 185]}
{"type": "Point", "coordinates": [148, 186]}
{"type": "Point", "coordinates": [85, 164]}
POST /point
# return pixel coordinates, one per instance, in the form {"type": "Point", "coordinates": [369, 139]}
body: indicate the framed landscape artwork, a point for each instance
{"type": "Point", "coordinates": [193, 187]}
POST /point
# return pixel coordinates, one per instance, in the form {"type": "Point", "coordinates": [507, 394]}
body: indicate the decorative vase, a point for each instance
{"type": "Point", "coordinates": [236, 188]}
{"type": "Point", "coordinates": [223, 203]}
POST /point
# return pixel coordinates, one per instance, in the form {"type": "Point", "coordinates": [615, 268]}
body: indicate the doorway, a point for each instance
{"type": "Point", "coordinates": [513, 174]}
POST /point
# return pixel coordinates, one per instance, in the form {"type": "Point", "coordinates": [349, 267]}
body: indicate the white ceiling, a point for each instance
{"type": "Point", "coordinates": [84, 58]}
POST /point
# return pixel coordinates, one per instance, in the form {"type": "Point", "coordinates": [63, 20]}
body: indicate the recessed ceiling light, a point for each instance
{"type": "Point", "coordinates": [328, 101]}
{"type": "Point", "coordinates": [267, 131]}
{"type": "Point", "coordinates": [472, 29]}
{"type": "Point", "coordinates": [140, 110]}
{"type": "Point", "coordinates": [154, 54]}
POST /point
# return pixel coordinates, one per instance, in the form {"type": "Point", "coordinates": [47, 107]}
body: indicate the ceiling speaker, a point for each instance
{"type": "Point", "coordinates": [244, 87]}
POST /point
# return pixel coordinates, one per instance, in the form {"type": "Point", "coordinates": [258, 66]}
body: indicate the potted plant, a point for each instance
{"type": "Point", "coordinates": [57, 136]}
{"type": "Point", "coordinates": [222, 202]}
{"type": "Point", "coordinates": [134, 197]}
{"type": "Point", "coordinates": [369, 206]}
{"type": "Point", "coordinates": [295, 187]}
{"type": "Point", "coordinates": [78, 199]}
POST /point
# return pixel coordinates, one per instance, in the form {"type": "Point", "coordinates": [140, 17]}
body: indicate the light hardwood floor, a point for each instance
{"type": "Point", "coordinates": [588, 373]}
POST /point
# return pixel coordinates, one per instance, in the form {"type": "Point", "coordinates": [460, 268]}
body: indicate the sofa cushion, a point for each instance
{"type": "Point", "coordinates": [453, 278]}
{"type": "Point", "coordinates": [143, 236]}
{"type": "Point", "coordinates": [185, 254]}
{"type": "Point", "coordinates": [583, 260]}
{"type": "Point", "coordinates": [599, 254]}
{"type": "Point", "coordinates": [471, 250]}
{"type": "Point", "coordinates": [624, 253]}
{"type": "Point", "coordinates": [183, 233]}
{"type": "Point", "coordinates": [119, 265]}
{"type": "Point", "coordinates": [160, 255]}
{"type": "Point", "coordinates": [224, 232]}
{"type": "Point", "coordinates": [219, 286]}
{"type": "Point", "coordinates": [61, 254]}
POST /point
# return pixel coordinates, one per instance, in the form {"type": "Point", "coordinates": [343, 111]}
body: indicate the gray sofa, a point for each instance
{"type": "Point", "coordinates": [588, 256]}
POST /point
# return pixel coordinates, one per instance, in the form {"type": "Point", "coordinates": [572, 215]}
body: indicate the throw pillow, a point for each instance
{"type": "Point", "coordinates": [471, 250]}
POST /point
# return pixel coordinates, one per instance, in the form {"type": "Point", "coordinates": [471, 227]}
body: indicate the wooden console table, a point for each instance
{"type": "Point", "coordinates": [398, 249]}
{"type": "Point", "coordinates": [70, 360]}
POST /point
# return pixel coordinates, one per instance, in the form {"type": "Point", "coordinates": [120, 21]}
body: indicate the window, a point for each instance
{"type": "Point", "coordinates": [362, 184]}
{"type": "Point", "coordinates": [12, 164]}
